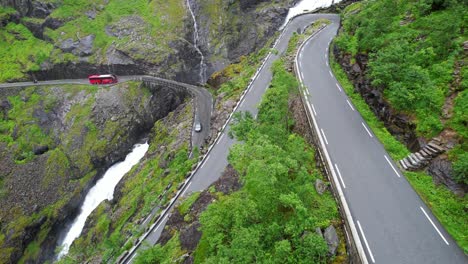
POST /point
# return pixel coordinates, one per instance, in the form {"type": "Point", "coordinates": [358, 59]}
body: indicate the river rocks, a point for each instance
{"type": "Point", "coordinates": [331, 237]}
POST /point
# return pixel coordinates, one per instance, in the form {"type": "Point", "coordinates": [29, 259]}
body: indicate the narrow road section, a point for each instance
{"type": "Point", "coordinates": [393, 222]}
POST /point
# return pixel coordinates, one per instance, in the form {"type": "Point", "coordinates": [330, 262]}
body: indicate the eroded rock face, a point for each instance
{"type": "Point", "coordinates": [87, 143]}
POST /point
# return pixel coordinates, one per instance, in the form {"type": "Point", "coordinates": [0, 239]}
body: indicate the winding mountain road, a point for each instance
{"type": "Point", "coordinates": [394, 224]}
{"type": "Point", "coordinates": [391, 223]}
{"type": "Point", "coordinates": [203, 98]}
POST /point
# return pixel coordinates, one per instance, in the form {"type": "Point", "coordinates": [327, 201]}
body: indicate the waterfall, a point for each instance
{"type": "Point", "coordinates": [104, 189]}
{"type": "Point", "coordinates": [305, 6]}
{"type": "Point", "coordinates": [196, 39]}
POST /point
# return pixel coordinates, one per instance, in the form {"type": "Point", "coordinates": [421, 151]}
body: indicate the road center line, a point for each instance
{"type": "Point", "coordinates": [391, 165]}
{"type": "Point", "coordinates": [313, 108]}
{"type": "Point", "coordinates": [339, 174]}
{"type": "Point", "coordinates": [437, 229]}
{"type": "Point", "coordinates": [368, 132]}
{"type": "Point", "coordinates": [365, 241]}
{"type": "Point", "coordinates": [339, 88]}
{"type": "Point", "coordinates": [350, 105]}
{"type": "Point", "coordinates": [324, 137]}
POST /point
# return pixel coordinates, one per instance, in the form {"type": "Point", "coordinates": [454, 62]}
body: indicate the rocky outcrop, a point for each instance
{"type": "Point", "coordinates": [88, 132]}
{"type": "Point", "coordinates": [398, 124]}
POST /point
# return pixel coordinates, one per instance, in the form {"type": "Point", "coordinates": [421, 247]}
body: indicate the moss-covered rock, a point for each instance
{"type": "Point", "coordinates": [82, 130]}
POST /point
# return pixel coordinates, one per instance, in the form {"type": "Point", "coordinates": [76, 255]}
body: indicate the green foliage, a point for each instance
{"type": "Point", "coordinates": [20, 129]}
{"type": "Point", "coordinates": [187, 203]}
{"type": "Point", "coordinates": [164, 255]}
{"type": "Point", "coordinates": [449, 208]}
{"type": "Point", "coordinates": [412, 49]}
{"type": "Point", "coordinates": [396, 149]}
{"type": "Point", "coordinates": [20, 51]}
{"type": "Point", "coordinates": [267, 219]}
{"type": "Point", "coordinates": [460, 168]}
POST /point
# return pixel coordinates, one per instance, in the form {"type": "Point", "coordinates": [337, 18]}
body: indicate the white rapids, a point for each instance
{"type": "Point", "coordinates": [305, 6]}
{"type": "Point", "coordinates": [104, 189]}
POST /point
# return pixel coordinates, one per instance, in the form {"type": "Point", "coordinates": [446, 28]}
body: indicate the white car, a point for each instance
{"type": "Point", "coordinates": [198, 127]}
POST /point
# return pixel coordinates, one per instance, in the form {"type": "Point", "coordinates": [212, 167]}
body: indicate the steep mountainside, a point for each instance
{"type": "Point", "coordinates": [54, 143]}
{"type": "Point", "coordinates": [410, 64]}
{"type": "Point", "coordinates": [52, 39]}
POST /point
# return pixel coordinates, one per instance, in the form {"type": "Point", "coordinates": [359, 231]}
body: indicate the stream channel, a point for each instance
{"type": "Point", "coordinates": [102, 190]}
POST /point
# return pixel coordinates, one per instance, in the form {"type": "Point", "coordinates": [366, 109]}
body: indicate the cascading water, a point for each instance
{"type": "Point", "coordinates": [196, 39]}
{"type": "Point", "coordinates": [104, 189]}
{"type": "Point", "coordinates": [305, 6]}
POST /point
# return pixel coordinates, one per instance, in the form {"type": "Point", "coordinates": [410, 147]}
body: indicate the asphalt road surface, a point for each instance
{"type": "Point", "coordinates": [216, 160]}
{"type": "Point", "coordinates": [394, 224]}
{"type": "Point", "coordinates": [203, 99]}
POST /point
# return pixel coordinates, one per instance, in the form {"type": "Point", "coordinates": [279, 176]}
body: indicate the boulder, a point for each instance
{"type": "Point", "coordinates": [331, 237]}
{"type": "Point", "coordinates": [320, 186]}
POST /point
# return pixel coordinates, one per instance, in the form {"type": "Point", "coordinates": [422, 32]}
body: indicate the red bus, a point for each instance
{"type": "Point", "coordinates": [102, 79]}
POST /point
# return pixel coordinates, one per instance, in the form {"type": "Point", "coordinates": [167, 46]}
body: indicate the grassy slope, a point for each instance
{"type": "Point", "coordinates": [20, 51]}
{"type": "Point", "coordinates": [240, 223]}
{"type": "Point", "coordinates": [449, 208]}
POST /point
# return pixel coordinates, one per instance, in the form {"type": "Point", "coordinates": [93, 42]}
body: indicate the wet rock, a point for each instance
{"type": "Point", "coordinates": [53, 23]}
{"type": "Point", "coordinates": [91, 14]}
{"type": "Point", "coordinates": [441, 171]}
{"type": "Point", "coordinates": [190, 236]}
{"type": "Point", "coordinates": [318, 231]}
{"type": "Point", "coordinates": [40, 150]}
{"type": "Point", "coordinates": [331, 237]}
{"type": "Point", "coordinates": [320, 186]}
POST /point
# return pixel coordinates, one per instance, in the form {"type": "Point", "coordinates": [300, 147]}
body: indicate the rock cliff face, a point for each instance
{"type": "Point", "coordinates": [78, 133]}
{"type": "Point", "coordinates": [155, 38]}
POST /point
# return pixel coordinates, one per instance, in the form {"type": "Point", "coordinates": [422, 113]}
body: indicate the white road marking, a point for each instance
{"type": "Point", "coordinates": [339, 88]}
{"type": "Point", "coordinates": [221, 138]}
{"type": "Point", "coordinates": [325, 55]}
{"type": "Point", "coordinates": [365, 241]}
{"type": "Point", "coordinates": [313, 108]}
{"type": "Point", "coordinates": [134, 255]}
{"type": "Point", "coordinates": [350, 105]}
{"type": "Point", "coordinates": [186, 189]}
{"type": "Point", "coordinates": [437, 229]}
{"type": "Point", "coordinates": [368, 132]}
{"type": "Point", "coordinates": [327, 47]}
{"type": "Point", "coordinates": [331, 74]}
{"type": "Point", "coordinates": [339, 174]}
{"type": "Point", "coordinates": [307, 91]}
{"type": "Point", "coordinates": [326, 62]}
{"type": "Point", "coordinates": [391, 165]}
{"type": "Point", "coordinates": [205, 162]}
{"type": "Point", "coordinates": [302, 75]}
{"type": "Point", "coordinates": [160, 223]}
{"type": "Point", "coordinates": [324, 137]}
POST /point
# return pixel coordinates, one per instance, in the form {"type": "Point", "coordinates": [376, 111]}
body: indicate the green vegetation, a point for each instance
{"type": "Point", "coordinates": [413, 49]}
{"type": "Point", "coordinates": [139, 195]}
{"type": "Point", "coordinates": [20, 52]}
{"type": "Point", "coordinates": [274, 216]}
{"type": "Point", "coordinates": [449, 208]}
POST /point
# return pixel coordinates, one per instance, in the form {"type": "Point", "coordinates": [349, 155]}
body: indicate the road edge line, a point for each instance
{"type": "Point", "coordinates": [344, 204]}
